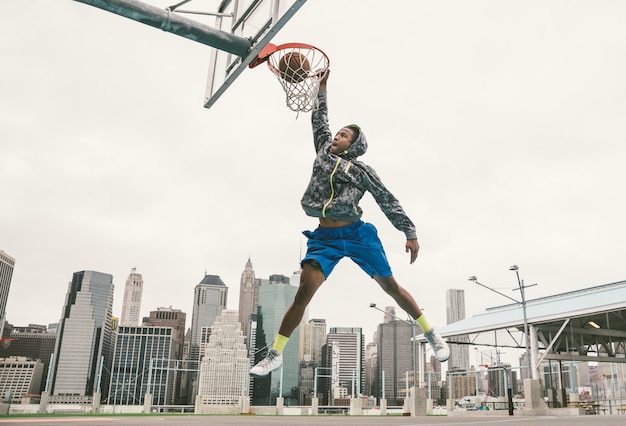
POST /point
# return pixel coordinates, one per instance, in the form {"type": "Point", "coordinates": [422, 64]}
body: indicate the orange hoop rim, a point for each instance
{"type": "Point", "coordinates": [270, 49]}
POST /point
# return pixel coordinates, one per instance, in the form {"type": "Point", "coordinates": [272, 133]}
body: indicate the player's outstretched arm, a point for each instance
{"type": "Point", "coordinates": [413, 247]}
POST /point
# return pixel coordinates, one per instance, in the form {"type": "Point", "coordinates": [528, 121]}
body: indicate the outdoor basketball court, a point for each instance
{"type": "Point", "coordinates": [315, 420]}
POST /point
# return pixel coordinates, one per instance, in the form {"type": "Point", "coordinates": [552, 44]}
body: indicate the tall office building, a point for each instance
{"type": "Point", "coordinates": [131, 307]}
{"type": "Point", "coordinates": [312, 338]}
{"type": "Point", "coordinates": [84, 346]}
{"type": "Point", "coordinates": [174, 318]}
{"type": "Point", "coordinates": [7, 263]}
{"type": "Point", "coordinates": [395, 354]}
{"type": "Point", "coordinates": [209, 299]}
{"type": "Point", "coordinates": [346, 357]}
{"type": "Point", "coordinates": [274, 299]}
{"type": "Point", "coordinates": [224, 371]}
{"type": "Point", "coordinates": [248, 299]}
{"type": "Point", "coordinates": [371, 369]}
{"type": "Point", "coordinates": [168, 317]}
{"type": "Point", "coordinates": [143, 357]}
{"type": "Point", "coordinates": [455, 311]}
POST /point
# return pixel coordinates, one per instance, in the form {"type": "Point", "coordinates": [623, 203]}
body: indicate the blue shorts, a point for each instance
{"type": "Point", "coordinates": [359, 241]}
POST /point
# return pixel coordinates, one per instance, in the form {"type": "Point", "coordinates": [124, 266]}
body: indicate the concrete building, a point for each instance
{"type": "Point", "coordinates": [224, 371]}
{"type": "Point", "coordinates": [312, 338]}
{"type": "Point", "coordinates": [84, 345]}
{"type": "Point", "coordinates": [19, 377]}
{"type": "Point", "coordinates": [131, 307]}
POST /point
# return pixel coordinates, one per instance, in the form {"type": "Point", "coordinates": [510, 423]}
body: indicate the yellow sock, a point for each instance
{"type": "Point", "coordinates": [423, 323]}
{"type": "Point", "coordinates": [280, 342]}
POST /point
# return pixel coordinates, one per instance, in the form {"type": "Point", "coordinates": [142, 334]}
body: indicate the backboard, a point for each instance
{"type": "Point", "coordinates": [256, 20]}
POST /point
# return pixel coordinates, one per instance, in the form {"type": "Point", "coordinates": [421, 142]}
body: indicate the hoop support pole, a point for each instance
{"type": "Point", "coordinates": [174, 23]}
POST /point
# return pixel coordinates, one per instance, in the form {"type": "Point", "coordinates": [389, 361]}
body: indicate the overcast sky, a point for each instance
{"type": "Point", "coordinates": [500, 126]}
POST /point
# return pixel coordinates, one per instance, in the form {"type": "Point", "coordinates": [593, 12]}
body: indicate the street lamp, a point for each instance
{"type": "Point", "coordinates": [413, 350]}
{"type": "Point", "coordinates": [521, 288]}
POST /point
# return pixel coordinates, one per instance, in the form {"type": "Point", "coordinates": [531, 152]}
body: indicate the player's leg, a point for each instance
{"type": "Point", "coordinates": [367, 251]}
{"type": "Point", "coordinates": [311, 278]}
{"type": "Point", "coordinates": [404, 299]}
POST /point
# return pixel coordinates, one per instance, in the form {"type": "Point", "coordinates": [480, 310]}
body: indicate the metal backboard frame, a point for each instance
{"type": "Point", "coordinates": [255, 20]}
{"type": "Point", "coordinates": [242, 29]}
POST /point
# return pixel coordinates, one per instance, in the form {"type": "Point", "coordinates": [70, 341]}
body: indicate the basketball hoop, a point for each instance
{"type": "Point", "coordinates": [299, 68]}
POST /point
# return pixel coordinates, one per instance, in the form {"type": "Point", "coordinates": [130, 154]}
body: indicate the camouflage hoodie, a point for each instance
{"type": "Point", "coordinates": [338, 182]}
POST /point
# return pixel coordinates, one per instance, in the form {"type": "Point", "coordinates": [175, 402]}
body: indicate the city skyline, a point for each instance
{"type": "Point", "coordinates": [100, 284]}
{"type": "Point", "coordinates": [510, 356]}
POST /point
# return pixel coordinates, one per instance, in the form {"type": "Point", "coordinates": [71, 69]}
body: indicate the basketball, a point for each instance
{"type": "Point", "coordinates": [294, 67]}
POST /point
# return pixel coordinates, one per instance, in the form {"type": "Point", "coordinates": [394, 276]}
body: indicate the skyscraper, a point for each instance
{"type": "Point", "coordinates": [209, 299]}
{"type": "Point", "coordinates": [175, 318]}
{"type": "Point", "coordinates": [248, 298]}
{"type": "Point", "coordinates": [141, 359]}
{"type": "Point", "coordinates": [312, 338]}
{"type": "Point", "coordinates": [84, 346]}
{"type": "Point", "coordinates": [274, 299]}
{"type": "Point", "coordinates": [395, 359]}
{"type": "Point", "coordinates": [224, 376]}
{"type": "Point", "coordinates": [131, 307]}
{"type": "Point", "coordinates": [7, 263]}
{"type": "Point", "coordinates": [346, 350]}
{"type": "Point", "coordinates": [168, 317]}
{"type": "Point", "coordinates": [455, 311]}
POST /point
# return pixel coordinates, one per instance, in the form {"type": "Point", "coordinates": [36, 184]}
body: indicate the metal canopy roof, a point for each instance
{"type": "Point", "coordinates": [580, 325]}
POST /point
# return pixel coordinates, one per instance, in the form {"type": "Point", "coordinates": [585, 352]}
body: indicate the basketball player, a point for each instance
{"type": "Point", "coordinates": [337, 184]}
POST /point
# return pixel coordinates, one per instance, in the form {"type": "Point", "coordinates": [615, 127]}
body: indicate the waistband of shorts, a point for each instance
{"type": "Point", "coordinates": [339, 232]}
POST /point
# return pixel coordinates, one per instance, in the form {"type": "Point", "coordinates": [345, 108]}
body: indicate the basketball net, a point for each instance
{"type": "Point", "coordinates": [301, 92]}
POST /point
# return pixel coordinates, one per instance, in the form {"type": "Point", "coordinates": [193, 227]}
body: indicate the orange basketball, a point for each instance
{"type": "Point", "coordinates": [294, 67]}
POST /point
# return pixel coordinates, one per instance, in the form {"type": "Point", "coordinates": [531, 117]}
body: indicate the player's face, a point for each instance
{"type": "Point", "coordinates": [342, 140]}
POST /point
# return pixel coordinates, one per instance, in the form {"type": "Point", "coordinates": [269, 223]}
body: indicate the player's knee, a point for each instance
{"type": "Point", "coordinates": [304, 295]}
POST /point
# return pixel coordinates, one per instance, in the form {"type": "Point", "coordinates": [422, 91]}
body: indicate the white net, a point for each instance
{"type": "Point", "coordinates": [299, 69]}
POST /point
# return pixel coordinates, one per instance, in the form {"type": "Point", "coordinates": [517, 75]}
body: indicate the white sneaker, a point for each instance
{"type": "Point", "coordinates": [271, 362]}
{"type": "Point", "coordinates": [440, 347]}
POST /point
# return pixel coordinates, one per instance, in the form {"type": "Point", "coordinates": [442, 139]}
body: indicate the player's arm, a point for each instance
{"type": "Point", "coordinates": [319, 117]}
{"type": "Point", "coordinates": [391, 207]}
{"type": "Point", "coordinates": [324, 79]}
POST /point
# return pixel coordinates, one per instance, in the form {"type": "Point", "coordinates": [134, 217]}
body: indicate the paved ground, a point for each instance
{"type": "Point", "coordinates": [192, 420]}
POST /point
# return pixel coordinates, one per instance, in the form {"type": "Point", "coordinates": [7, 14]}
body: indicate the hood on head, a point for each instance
{"type": "Point", "coordinates": [359, 146]}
